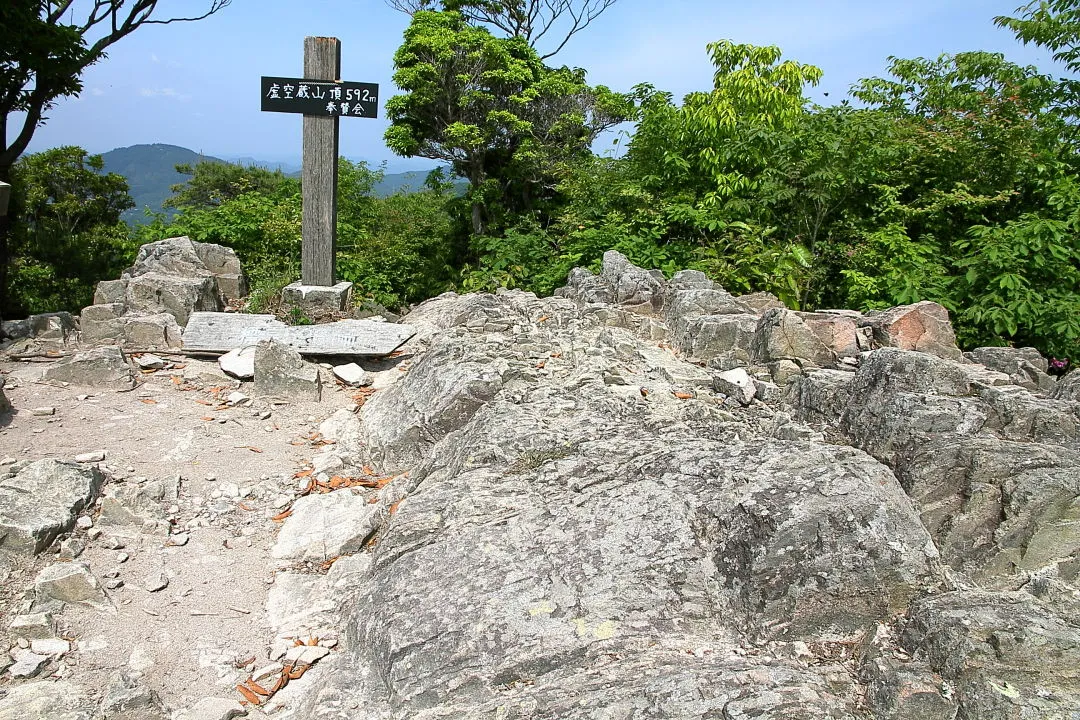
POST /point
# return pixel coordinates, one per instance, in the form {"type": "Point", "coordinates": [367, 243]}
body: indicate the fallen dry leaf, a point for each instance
{"type": "Point", "coordinates": [207, 418]}
{"type": "Point", "coordinates": [250, 696]}
{"type": "Point", "coordinates": [243, 663]}
{"type": "Point", "coordinates": [683, 395]}
{"type": "Point", "coordinates": [148, 401]}
{"type": "Point", "coordinates": [282, 515]}
{"type": "Point", "coordinates": [257, 688]}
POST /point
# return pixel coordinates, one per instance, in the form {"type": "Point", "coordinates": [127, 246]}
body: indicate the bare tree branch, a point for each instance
{"type": "Point", "coordinates": [528, 19]}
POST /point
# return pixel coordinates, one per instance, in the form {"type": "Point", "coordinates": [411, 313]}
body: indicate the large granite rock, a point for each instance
{"type": "Point", "coordinates": [40, 500]}
{"type": "Point", "coordinates": [783, 335]}
{"type": "Point", "coordinates": [563, 545]}
{"type": "Point", "coordinates": [1005, 656]}
{"type": "Point", "coordinates": [153, 299]}
{"type": "Point", "coordinates": [1025, 367]}
{"type": "Point", "coordinates": [99, 367]}
{"type": "Point", "coordinates": [923, 327]}
{"type": "Point", "coordinates": [46, 700]}
{"type": "Point", "coordinates": [281, 372]}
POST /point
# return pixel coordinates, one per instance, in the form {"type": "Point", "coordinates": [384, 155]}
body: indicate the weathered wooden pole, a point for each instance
{"type": "Point", "coordinates": [322, 61]}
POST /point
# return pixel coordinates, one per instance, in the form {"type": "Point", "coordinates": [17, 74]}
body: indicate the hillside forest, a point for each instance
{"type": "Point", "coordinates": [954, 179]}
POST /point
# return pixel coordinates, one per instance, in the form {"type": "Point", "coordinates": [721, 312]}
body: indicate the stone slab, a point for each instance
{"type": "Point", "coordinates": [209, 332]}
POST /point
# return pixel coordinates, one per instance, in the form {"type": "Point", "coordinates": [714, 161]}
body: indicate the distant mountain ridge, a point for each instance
{"type": "Point", "coordinates": [151, 170]}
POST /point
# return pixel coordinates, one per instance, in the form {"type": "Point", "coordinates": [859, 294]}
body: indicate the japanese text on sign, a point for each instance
{"type": "Point", "coordinates": [320, 97]}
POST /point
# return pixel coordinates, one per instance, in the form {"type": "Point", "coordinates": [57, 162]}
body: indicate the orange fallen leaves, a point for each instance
{"type": "Point", "coordinates": [683, 395]}
{"type": "Point", "coordinates": [249, 695]}
{"type": "Point", "coordinates": [148, 401]}
{"type": "Point", "coordinates": [282, 515]}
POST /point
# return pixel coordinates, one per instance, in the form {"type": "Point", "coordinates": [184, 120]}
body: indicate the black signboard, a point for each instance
{"type": "Point", "coordinates": [320, 97]}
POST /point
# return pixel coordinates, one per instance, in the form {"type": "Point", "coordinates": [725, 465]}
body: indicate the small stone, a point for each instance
{"type": "Point", "coordinates": [156, 581]}
{"type": "Point", "coordinates": [43, 411]}
{"type": "Point", "coordinates": [114, 584]}
{"type": "Point", "coordinates": [112, 542]}
{"type": "Point", "coordinates": [32, 626]}
{"type": "Point", "coordinates": [71, 548]}
{"type": "Point", "coordinates": [90, 457]}
{"type": "Point", "coordinates": [178, 540]}
{"type": "Point", "coordinates": [238, 399]}
{"type": "Point", "coordinates": [85, 522]}
{"type": "Point", "coordinates": [70, 582]}
{"type": "Point", "coordinates": [737, 384]}
{"type": "Point", "coordinates": [305, 654]}
{"type": "Point", "coordinates": [122, 557]}
{"type": "Point", "coordinates": [239, 363]}
{"type": "Point", "coordinates": [268, 672]}
{"type": "Point", "coordinates": [50, 646]}
{"type": "Point", "coordinates": [230, 489]}
{"type": "Point", "coordinates": [150, 362]}
{"type": "Point", "coordinates": [27, 664]}
{"type": "Point", "coordinates": [265, 415]}
{"type": "Point", "coordinates": [94, 533]}
{"type": "Point", "coordinates": [174, 509]}
{"type": "Point", "coordinates": [352, 375]}
{"type": "Point", "coordinates": [212, 709]}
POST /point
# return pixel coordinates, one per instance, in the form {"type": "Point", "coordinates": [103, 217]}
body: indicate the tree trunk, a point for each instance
{"type": "Point", "coordinates": [5, 227]}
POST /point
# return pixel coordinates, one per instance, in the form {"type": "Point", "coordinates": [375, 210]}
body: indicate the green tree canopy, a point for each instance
{"type": "Point", "coordinates": [69, 235]}
{"type": "Point", "coordinates": [212, 183]}
{"type": "Point", "coordinates": [492, 109]}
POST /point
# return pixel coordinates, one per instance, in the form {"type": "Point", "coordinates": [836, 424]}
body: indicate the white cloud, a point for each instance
{"type": "Point", "coordinates": [164, 92]}
{"type": "Point", "coordinates": [154, 58]}
{"type": "Point", "coordinates": [97, 92]}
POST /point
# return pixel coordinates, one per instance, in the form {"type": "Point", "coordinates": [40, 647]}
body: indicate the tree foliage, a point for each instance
{"type": "Point", "coordinates": [69, 235]}
{"type": "Point", "coordinates": [46, 50]}
{"type": "Point", "coordinates": [493, 110]}
{"type": "Point", "coordinates": [210, 184]}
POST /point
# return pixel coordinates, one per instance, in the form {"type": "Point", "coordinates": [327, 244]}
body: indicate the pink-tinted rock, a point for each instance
{"type": "Point", "coordinates": [923, 327]}
{"type": "Point", "coordinates": [837, 332]}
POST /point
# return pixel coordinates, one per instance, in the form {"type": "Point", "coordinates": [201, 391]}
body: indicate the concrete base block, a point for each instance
{"type": "Point", "coordinates": [318, 298]}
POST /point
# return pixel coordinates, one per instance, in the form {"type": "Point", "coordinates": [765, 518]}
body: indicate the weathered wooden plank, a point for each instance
{"type": "Point", "coordinates": [322, 61]}
{"type": "Point", "coordinates": [209, 332]}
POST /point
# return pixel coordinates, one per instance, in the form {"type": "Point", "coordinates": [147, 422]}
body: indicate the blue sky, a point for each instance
{"type": "Point", "coordinates": [197, 84]}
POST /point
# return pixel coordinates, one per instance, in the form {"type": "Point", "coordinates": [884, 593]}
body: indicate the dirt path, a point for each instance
{"type": "Point", "coordinates": [236, 465]}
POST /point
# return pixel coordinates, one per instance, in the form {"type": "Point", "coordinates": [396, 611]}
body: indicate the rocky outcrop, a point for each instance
{"type": "Point", "coordinates": [154, 298]}
{"type": "Point", "coordinates": [581, 523]}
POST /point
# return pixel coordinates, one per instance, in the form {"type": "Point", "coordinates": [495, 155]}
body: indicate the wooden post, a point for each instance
{"type": "Point", "coordinates": [322, 61]}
